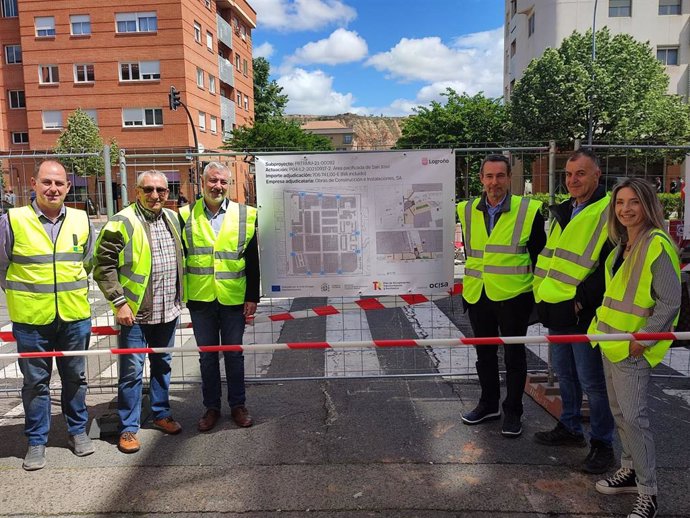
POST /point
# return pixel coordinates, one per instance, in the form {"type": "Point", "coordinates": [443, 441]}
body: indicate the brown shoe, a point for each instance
{"type": "Point", "coordinates": [241, 416]}
{"type": "Point", "coordinates": [128, 443]}
{"type": "Point", "coordinates": [167, 425]}
{"type": "Point", "coordinates": [209, 419]}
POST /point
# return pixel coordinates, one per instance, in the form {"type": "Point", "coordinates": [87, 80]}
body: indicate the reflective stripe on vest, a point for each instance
{"type": "Point", "coordinates": [215, 265]}
{"type": "Point", "coordinates": [571, 254]}
{"type": "Point", "coordinates": [628, 301]}
{"type": "Point", "coordinates": [498, 263]}
{"type": "Point", "coordinates": [46, 279]}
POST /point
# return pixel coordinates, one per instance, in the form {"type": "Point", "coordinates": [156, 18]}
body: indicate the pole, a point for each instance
{"type": "Point", "coordinates": [552, 172]}
{"type": "Point", "coordinates": [108, 182]}
{"type": "Point", "coordinates": [123, 178]}
{"type": "Point", "coordinates": [196, 184]}
{"type": "Point", "coordinates": [590, 129]}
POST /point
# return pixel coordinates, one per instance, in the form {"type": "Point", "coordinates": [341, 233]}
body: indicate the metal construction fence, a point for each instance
{"type": "Point", "coordinates": [538, 168]}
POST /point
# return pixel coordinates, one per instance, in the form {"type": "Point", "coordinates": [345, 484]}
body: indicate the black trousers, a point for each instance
{"type": "Point", "coordinates": [506, 318]}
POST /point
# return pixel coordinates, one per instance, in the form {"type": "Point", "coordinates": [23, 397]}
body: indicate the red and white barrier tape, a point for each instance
{"type": "Point", "coordinates": [440, 342]}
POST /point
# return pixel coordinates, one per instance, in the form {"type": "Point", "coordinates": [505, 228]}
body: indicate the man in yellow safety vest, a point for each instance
{"type": "Point", "coordinates": [568, 288]}
{"type": "Point", "coordinates": [503, 235]}
{"type": "Point", "coordinates": [139, 269]}
{"type": "Point", "coordinates": [221, 288]}
{"type": "Point", "coordinates": [45, 258]}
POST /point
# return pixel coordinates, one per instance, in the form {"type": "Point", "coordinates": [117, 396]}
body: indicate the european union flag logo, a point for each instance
{"type": "Point", "coordinates": [275, 287]}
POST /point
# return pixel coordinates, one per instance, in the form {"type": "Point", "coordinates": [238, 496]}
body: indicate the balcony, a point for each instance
{"type": "Point", "coordinates": [225, 71]}
{"type": "Point", "coordinates": [224, 31]}
{"type": "Point", "coordinates": [227, 113]}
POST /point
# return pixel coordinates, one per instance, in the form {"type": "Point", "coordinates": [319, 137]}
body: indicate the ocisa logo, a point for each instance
{"type": "Point", "coordinates": [435, 285]}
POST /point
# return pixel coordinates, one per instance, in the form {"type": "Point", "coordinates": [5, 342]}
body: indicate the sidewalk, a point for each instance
{"type": "Point", "coordinates": [341, 448]}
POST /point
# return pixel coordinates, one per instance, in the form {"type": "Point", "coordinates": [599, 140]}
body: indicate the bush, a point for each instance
{"type": "Point", "coordinates": [671, 203]}
{"type": "Point", "coordinates": [544, 199]}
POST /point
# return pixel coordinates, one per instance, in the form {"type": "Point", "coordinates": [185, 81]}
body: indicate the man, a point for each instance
{"type": "Point", "coordinates": [45, 258]}
{"type": "Point", "coordinates": [503, 235]}
{"type": "Point", "coordinates": [138, 267]}
{"type": "Point", "coordinates": [222, 288]}
{"type": "Point", "coordinates": [569, 287]}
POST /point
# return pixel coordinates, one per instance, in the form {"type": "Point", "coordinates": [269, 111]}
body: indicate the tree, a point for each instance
{"type": "Point", "coordinates": [626, 86]}
{"type": "Point", "coordinates": [269, 103]}
{"type": "Point", "coordinates": [81, 135]}
{"type": "Point", "coordinates": [276, 134]}
{"type": "Point", "coordinates": [461, 120]}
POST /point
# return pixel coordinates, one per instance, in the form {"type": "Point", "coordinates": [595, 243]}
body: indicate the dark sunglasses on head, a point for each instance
{"type": "Point", "coordinates": [148, 189]}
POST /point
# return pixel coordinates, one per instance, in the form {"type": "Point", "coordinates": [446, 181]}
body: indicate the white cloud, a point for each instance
{"type": "Point", "coordinates": [311, 93]}
{"type": "Point", "coordinates": [472, 63]}
{"type": "Point", "coordinates": [300, 15]}
{"type": "Point", "coordinates": [342, 46]}
{"type": "Point", "coordinates": [265, 50]}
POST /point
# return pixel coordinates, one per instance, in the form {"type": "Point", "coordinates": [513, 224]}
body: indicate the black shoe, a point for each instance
{"type": "Point", "coordinates": [622, 481]}
{"type": "Point", "coordinates": [512, 426]}
{"type": "Point", "coordinates": [560, 436]}
{"type": "Point", "coordinates": [645, 507]}
{"type": "Point", "coordinates": [600, 459]}
{"type": "Point", "coordinates": [480, 414]}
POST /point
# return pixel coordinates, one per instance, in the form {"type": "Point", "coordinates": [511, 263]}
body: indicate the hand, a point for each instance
{"type": "Point", "coordinates": [636, 350]}
{"type": "Point", "coordinates": [124, 315]}
{"type": "Point", "coordinates": [249, 309]}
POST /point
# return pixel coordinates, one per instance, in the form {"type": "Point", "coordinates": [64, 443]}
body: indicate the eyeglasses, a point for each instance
{"type": "Point", "coordinates": [149, 190]}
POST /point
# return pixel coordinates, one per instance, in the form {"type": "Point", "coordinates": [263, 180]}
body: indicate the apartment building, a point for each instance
{"type": "Point", "coordinates": [338, 133]}
{"type": "Point", "coordinates": [117, 61]}
{"type": "Point", "coordinates": [533, 25]}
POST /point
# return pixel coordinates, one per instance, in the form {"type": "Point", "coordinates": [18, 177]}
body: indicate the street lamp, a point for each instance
{"type": "Point", "coordinates": [590, 129]}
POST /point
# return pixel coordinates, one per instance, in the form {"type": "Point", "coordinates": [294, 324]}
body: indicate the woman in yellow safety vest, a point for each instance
{"type": "Point", "coordinates": [642, 295]}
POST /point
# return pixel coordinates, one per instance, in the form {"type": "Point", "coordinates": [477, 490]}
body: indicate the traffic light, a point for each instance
{"type": "Point", "coordinates": [174, 98]}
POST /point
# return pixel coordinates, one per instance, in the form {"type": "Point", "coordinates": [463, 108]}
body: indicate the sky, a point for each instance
{"type": "Point", "coordinates": [379, 57]}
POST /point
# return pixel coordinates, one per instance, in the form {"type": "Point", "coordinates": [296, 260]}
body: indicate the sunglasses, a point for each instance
{"type": "Point", "coordinates": [149, 190]}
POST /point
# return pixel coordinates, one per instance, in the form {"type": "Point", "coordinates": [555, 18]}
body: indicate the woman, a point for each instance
{"type": "Point", "coordinates": [642, 295]}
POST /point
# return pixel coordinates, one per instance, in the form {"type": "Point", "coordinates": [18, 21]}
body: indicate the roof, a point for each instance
{"type": "Point", "coordinates": [325, 125]}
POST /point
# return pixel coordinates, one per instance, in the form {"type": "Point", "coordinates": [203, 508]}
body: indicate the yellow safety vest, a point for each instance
{"type": "Point", "coordinates": [215, 265]}
{"type": "Point", "coordinates": [47, 279]}
{"type": "Point", "coordinates": [498, 263]}
{"type": "Point", "coordinates": [134, 260]}
{"type": "Point", "coordinates": [628, 301]}
{"type": "Point", "coordinates": [571, 255]}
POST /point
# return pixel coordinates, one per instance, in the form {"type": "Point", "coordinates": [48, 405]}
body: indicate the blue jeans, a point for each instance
{"type": "Point", "coordinates": [579, 369]}
{"type": "Point", "coordinates": [217, 324]}
{"type": "Point", "coordinates": [56, 336]}
{"type": "Point", "coordinates": [132, 369]}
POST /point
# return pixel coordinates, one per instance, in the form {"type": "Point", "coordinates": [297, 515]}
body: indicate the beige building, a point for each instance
{"type": "Point", "coordinates": [533, 25]}
{"type": "Point", "coordinates": [340, 135]}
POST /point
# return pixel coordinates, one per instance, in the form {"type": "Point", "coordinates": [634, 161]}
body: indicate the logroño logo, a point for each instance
{"type": "Point", "coordinates": [377, 285]}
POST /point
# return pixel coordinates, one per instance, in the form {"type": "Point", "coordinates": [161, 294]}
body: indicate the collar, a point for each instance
{"type": "Point", "coordinates": [39, 212]}
{"type": "Point", "coordinates": [148, 215]}
{"type": "Point", "coordinates": [223, 207]}
{"type": "Point", "coordinates": [502, 205]}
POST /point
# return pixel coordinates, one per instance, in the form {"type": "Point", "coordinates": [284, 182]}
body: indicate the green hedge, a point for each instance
{"type": "Point", "coordinates": [670, 202]}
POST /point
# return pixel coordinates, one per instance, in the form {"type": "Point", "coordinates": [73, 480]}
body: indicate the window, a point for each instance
{"type": "Point", "coordinates": [347, 139]}
{"type": "Point", "coordinates": [45, 26]}
{"type": "Point", "coordinates": [17, 99]}
{"type": "Point", "coordinates": [513, 8]}
{"type": "Point", "coordinates": [209, 40]}
{"type": "Point", "coordinates": [52, 119]}
{"type": "Point", "coordinates": [136, 22]}
{"type": "Point", "coordinates": [207, 3]}
{"type": "Point", "coordinates": [669, 7]}
{"type": "Point", "coordinates": [239, 100]}
{"type": "Point", "coordinates": [211, 84]}
{"type": "Point", "coordinates": [80, 24]}
{"type": "Point", "coordinates": [243, 32]}
{"type": "Point", "coordinates": [238, 63]}
{"type": "Point", "coordinates": [9, 9]}
{"type": "Point", "coordinates": [512, 48]}
{"type": "Point", "coordinates": [84, 74]}
{"type": "Point", "coordinates": [202, 121]}
{"type": "Point", "coordinates": [245, 68]}
{"type": "Point", "coordinates": [530, 25]}
{"type": "Point", "coordinates": [93, 114]}
{"type": "Point", "coordinates": [246, 102]}
{"type": "Point", "coordinates": [618, 8]}
{"type": "Point", "coordinates": [13, 54]}
{"type": "Point", "coordinates": [140, 71]}
{"type": "Point", "coordinates": [21, 137]}
{"type": "Point", "coordinates": [667, 55]}
{"type": "Point", "coordinates": [48, 74]}
{"type": "Point", "coordinates": [142, 117]}
{"type": "Point", "coordinates": [197, 32]}
{"type": "Point", "coordinates": [214, 124]}
{"type": "Point", "coordinates": [199, 77]}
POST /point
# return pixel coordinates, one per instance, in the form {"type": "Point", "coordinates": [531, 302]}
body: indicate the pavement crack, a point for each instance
{"type": "Point", "coordinates": [329, 405]}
